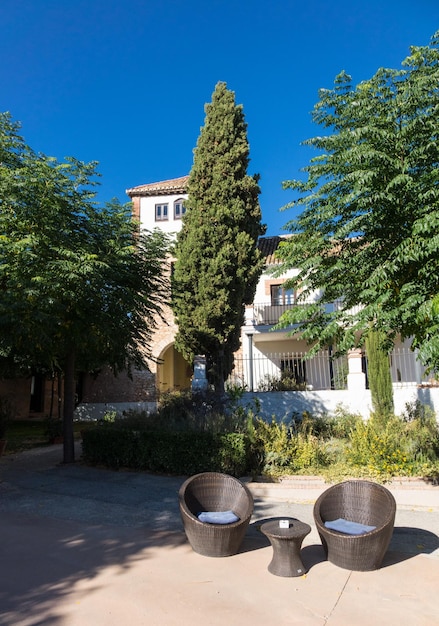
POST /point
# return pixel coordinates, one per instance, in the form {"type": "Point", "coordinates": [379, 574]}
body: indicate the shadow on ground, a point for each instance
{"type": "Point", "coordinates": [63, 528]}
{"type": "Point", "coordinates": [44, 560]}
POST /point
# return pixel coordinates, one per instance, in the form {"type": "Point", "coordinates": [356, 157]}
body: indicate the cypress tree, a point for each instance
{"type": "Point", "coordinates": [380, 381]}
{"type": "Point", "coordinates": [217, 260]}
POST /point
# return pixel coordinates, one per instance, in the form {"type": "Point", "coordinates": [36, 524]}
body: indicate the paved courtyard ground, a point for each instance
{"type": "Point", "coordinates": [89, 547]}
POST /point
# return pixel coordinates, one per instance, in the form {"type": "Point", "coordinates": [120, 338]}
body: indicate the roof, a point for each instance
{"type": "Point", "coordinates": [164, 187]}
{"type": "Point", "coordinates": [268, 246]}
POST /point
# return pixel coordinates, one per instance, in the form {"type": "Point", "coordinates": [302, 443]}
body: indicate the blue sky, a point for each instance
{"type": "Point", "coordinates": [124, 82]}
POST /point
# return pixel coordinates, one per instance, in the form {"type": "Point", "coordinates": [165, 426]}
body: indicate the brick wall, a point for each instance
{"type": "Point", "coordinates": [121, 388]}
{"type": "Point", "coordinates": [17, 393]}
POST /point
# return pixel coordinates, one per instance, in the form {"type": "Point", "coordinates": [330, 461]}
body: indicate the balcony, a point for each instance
{"type": "Point", "coordinates": [267, 314]}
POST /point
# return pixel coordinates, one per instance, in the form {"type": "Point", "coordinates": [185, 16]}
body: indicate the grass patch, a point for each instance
{"type": "Point", "coordinates": [27, 434]}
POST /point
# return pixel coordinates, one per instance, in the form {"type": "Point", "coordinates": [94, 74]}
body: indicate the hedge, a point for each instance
{"type": "Point", "coordinates": [181, 453]}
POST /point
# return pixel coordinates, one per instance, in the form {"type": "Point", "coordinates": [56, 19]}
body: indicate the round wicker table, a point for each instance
{"type": "Point", "coordinates": [286, 543]}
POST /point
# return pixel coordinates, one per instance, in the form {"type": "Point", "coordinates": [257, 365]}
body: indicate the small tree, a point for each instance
{"type": "Point", "coordinates": [378, 370]}
{"type": "Point", "coordinates": [218, 263]}
{"type": "Point", "coordinates": [81, 288]}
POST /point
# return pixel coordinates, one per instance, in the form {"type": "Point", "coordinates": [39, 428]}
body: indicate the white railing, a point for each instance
{"type": "Point", "coordinates": [277, 371]}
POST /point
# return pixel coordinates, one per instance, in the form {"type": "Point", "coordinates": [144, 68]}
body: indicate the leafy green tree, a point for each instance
{"type": "Point", "coordinates": [380, 380]}
{"type": "Point", "coordinates": [218, 263]}
{"type": "Point", "coordinates": [80, 287]}
{"type": "Point", "coordinates": [366, 234]}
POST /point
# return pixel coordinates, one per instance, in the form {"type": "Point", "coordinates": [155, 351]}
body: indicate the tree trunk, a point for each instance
{"type": "Point", "coordinates": [69, 407]}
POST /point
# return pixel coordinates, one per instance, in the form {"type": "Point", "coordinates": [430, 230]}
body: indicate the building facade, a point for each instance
{"type": "Point", "coordinates": [269, 359]}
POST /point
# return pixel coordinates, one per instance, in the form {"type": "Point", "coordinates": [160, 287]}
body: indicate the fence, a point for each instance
{"type": "Point", "coordinates": [285, 371]}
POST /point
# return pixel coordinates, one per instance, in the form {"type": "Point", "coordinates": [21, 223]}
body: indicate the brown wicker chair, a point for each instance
{"type": "Point", "coordinates": [359, 501]}
{"type": "Point", "coordinates": [212, 491]}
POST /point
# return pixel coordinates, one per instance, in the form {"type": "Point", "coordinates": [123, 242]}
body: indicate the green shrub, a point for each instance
{"type": "Point", "coordinates": [380, 380]}
{"type": "Point", "coordinates": [343, 422]}
{"type": "Point", "coordinates": [274, 441]}
{"type": "Point", "coordinates": [180, 453]}
{"type": "Point", "coordinates": [309, 453]}
{"type": "Point", "coordinates": [202, 412]}
{"type": "Point", "coordinates": [375, 447]}
{"type": "Point", "coordinates": [53, 428]}
{"type": "Point", "coordinates": [185, 437]}
{"type": "Point", "coordinates": [285, 381]}
{"type": "Point", "coordinates": [307, 424]}
{"type": "Point", "coordinates": [394, 446]}
{"type": "Point", "coordinates": [290, 449]}
{"type": "Point", "coordinates": [109, 446]}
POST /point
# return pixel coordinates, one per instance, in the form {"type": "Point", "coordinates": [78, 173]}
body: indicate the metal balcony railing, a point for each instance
{"type": "Point", "coordinates": [276, 371]}
{"type": "Point", "coordinates": [265, 313]}
{"type": "Point", "coordinates": [269, 314]}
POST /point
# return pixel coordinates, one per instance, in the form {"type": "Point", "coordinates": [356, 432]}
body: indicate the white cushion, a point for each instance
{"type": "Point", "coordinates": [218, 517]}
{"type": "Point", "coordinates": [349, 528]}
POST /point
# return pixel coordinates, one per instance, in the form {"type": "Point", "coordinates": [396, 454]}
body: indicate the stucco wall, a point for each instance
{"type": "Point", "coordinates": [147, 213]}
{"type": "Point", "coordinates": [96, 410]}
{"type": "Point", "coordinates": [283, 404]}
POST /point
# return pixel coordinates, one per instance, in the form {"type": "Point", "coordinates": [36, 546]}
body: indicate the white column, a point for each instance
{"type": "Point", "coordinates": [199, 380]}
{"type": "Point", "coordinates": [356, 377]}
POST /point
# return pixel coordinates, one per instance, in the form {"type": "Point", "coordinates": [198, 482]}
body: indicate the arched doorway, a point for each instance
{"type": "Point", "coordinates": [173, 372]}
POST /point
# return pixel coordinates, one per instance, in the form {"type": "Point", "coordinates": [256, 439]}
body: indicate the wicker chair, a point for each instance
{"type": "Point", "coordinates": [359, 501]}
{"type": "Point", "coordinates": [212, 491]}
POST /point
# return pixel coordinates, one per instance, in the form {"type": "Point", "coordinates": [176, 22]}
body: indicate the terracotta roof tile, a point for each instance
{"type": "Point", "coordinates": [164, 187]}
{"type": "Point", "coordinates": [268, 247]}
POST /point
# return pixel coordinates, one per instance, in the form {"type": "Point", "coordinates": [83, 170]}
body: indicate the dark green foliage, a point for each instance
{"type": "Point", "coordinates": [195, 411]}
{"type": "Point", "coordinates": [367, 233]}
{"type": "Point", "coordinates": [207, 411]}
{"type": "Point", "coordinates": [188, 434]}
{"type": "Point", "coordinates": [380, 380]}
{"type": "Point", "coordinates": [180, 453]}
{"type": "Point", "coordinates": [53, 429]}
{"type": "Point", "coordinates": [218, 263]}
{"type": "Point", "coordinates": [80, 287]}
{"type": "Point", "coordinates": [336, 446]}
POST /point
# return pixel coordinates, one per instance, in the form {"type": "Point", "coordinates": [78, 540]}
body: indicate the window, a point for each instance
{"type": "Point", "coordinates": [179, 209]}
{"type": "Point", "coordinates": [161, 212]}
{"type": "Point", "coordinates": [281, 296]}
